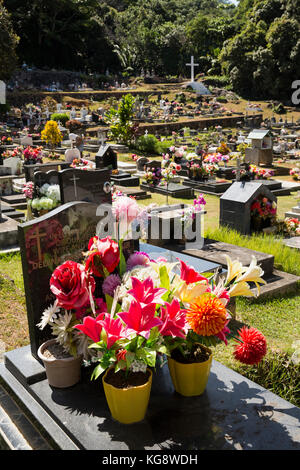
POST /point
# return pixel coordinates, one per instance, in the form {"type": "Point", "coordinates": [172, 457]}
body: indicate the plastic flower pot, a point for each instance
{"type": "Point", "coordinates": [128, 405]}
{"type": "Point", "coordinates": [61, 373]}
{"type": "Point", "coordinates": [190, 379]}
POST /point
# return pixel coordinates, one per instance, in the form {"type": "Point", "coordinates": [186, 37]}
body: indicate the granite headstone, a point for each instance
{"type": "Point", "coordinates": [85, 185]}
{"type": "Point", "coordinates": [106, 157]}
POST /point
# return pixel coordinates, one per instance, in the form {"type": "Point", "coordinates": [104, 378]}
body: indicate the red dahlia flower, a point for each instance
{"type": "Point", "coordinates": [252, 347]}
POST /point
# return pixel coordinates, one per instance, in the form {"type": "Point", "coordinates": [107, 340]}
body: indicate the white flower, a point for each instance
{"type": "Point", "coordinates": [138, 366]}
{"type": "Point", "coordinates": [48, 315]}
{"type": "Point", "coordinates": [60, 329]}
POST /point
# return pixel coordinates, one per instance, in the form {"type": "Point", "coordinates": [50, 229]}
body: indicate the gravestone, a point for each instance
{"type": "Point", "coordinates": [235, 204]}
{"type": "Point", "coordinates": [85, 185]}
{"type": "Point", "coordinates": [30, 170]}
{"type": "Point", "coordinates": [15, 165]}
{"type": "Point", "coordinates": [45, 243]}
{"type": "Point", "coordinates": [50, 177]}
{"type": "Point", "coordinates": [71, 154]}
{"type": "Point", "coordinates": [141, 162]}
{"type": "Point", "coordinates": [26, 141]}
{"type": "Point", "coordinates": [2, 92]}
{"type": "Point", "coordinates": [106, 158]}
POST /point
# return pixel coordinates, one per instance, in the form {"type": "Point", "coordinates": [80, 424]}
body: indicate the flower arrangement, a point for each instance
{"type": "Point", "coordinates": [289, 227]}
{"type": "Point", "coordinates": [261, 173]}
{"type": "Point", "coordinates": [47, 197]}
{"type": "Point", "coordinates": [28, 189]}
{"type": "Point", "coordinates": [16, 152]}
{"type": "Point", "coordinates": [203, 171]}
{"type": "Point", "coordinates": [153, 176]}
{"type": "Point", "coordinates": [33, 155]}
{"type": "Point", "coordinates": [295, 173]}
{"type": "Point", "coordinates": [223, 149]}
{"type": "Point", "coordinates": [263, 213]}
{"type": "Point", "coordinates": [190, 212]}
{"type": "Point", "coordinates": [146, 309]}
{"type": "Point", "coordinates": [6, 140]}
{"type": "Point", "coordinates": [82, 164]}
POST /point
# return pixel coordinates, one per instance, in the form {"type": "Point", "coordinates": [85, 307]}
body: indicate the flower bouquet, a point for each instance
{"type": "Point", "coordinates": [153, 176]}
{"type": "Point", "coordinates": [263, 213]}
{"type": "Point", "coordinates": [45, 198]}
{"type": "Point", "coordinates": [143, 310]}
{"type": "Point", "coordinates": [33, 155]}
{"type": "Point", "coordinates": [295, 173]}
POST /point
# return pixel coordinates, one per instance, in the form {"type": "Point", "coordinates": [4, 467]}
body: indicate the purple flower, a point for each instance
{"type": "Point", "coordinates": [137, 259]}
{"type": "Point", "coordinates": [110, 284]}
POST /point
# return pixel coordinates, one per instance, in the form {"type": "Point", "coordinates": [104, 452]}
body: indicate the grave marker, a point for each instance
{"type": "Point", "coordinates": [85, 185]}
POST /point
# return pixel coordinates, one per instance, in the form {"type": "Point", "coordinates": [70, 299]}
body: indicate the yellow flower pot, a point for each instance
{"type": "Point", "coordinates": [190, 379]}
{"type": "Point", "coordinates": [128, 405]}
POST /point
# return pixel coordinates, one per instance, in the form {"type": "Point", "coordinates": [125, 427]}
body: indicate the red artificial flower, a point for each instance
{"type": "Point", "coordinates": [140, 319]}
{"type": "Point", "coordinates": [252, 347]}
{"type": "Point", "coordinates": [114, 329]}
{"type": "Point", "coordinates": [189, 275]}
{"type": "Point", "coordinates": [109, 253]}
{"type": "Point", "coordinates": [173, 320]}
{"type": "Point", "coordinates": [70, 285]}
{"type": "Point", "coordinates": [145, 292]}
{"type": "Point", "coordinates": [121, 355]}
{"type": "Point", "coordinates": [91, 327]}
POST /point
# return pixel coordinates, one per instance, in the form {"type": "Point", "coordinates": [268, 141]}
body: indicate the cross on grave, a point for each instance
{"type": "Point", "coordinates": [74, 179]}
{"type": "Point", "coordinates": [192, 65]}
{"type": "Point", "coordinates": [38, 236]}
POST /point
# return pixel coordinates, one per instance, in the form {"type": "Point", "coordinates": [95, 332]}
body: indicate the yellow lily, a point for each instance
{"type": "Point", "coordinates": [186, 293]}
{"type": "Point", "coordinates": [253, 274]}
{"type": "Point", "coordinates": [234, 269]}
{"type": "Point", "coordinates": [240, 288]}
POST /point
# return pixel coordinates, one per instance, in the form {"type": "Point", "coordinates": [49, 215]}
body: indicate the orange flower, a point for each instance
{"type": "Point", "coordinates": [207, 315]}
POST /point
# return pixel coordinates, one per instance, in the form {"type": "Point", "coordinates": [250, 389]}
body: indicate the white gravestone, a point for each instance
{"type": "Point", "coordinates": [26, 140]}
{"type": "Point", "coordinates": [15, 163]}
{"type": "Point", "coordinates": [2, 92]}
{"type": "Point", "coordinates": [71, 154]}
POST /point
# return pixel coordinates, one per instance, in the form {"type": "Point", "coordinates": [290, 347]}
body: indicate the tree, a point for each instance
{"type": "Point", "coordinates": [8, 44]}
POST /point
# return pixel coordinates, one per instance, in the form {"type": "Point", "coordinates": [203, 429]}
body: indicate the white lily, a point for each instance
{"type": "Point", "coordinates": [234, 269]}
{"type": "Point", "coordinates": [240, 288]}
{"type": "Point", "coordinates": [253, 274]}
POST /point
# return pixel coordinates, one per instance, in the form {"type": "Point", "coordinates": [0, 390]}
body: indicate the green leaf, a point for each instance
{"type": "Point", "coordinates": [97, 372]}
{"type": "Point", "coordinates": [164, 277]}
{"type": "Point", "coordinates": [109, 301]}
{"type": "Point", "coordinates": [122, 263]}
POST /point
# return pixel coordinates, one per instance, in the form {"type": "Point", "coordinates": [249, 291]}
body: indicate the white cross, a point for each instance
{"type": "Point", "coordinates": [75, 185]}
{"type": "Point", "coordinates": [192, 65]}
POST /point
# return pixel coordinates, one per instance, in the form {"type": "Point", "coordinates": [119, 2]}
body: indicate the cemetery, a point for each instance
{"type": "Point", "coordinates": [149, 260]}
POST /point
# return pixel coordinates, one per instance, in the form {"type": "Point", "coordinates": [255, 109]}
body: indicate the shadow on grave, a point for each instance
{"type": "Point", "coordinates": [231, 414]}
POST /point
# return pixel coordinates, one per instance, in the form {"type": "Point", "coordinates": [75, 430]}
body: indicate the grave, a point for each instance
{"type": "Point", "coordinates": [172, 189]}
{"type": "Point", "coordinates": [209, 186]}
{"type": "Point", "coordinates": [125, 179]}
{"type": "Point", "coordinates": [29, 170]}
{"type": "Point", "coordinates": [261, 150]}
{"type": "Point", "coordinates": [106, 158]}
{"type": "Point", "coordinates": [90, 186]}
{"type": "Point", "coordinates": [235, 204]}
{"type": "Point", "coordinates": [294, 213]}
{"type": "Point", "coordinates": [227, 416]}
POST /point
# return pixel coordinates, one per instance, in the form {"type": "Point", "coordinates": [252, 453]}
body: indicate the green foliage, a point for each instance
{"type": "Point", "coordinates": [147, 144]}
{"type": "Point", "coordinates": [120, 120]}
{"type": "Point", "coordinates": [60, 117]}
{"type": "Point", "coordinates": [8, 44]}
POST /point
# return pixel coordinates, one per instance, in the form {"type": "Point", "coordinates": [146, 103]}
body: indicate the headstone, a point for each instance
{"type": "Point", "coordinates": [46, 243]}
{"type": "Point", "coordinates": [2, 92]}
{"type": "Point", "coordinates": [141, 162]}
{"type": "Point", "coordinates": [235, 204]}
{"type": "Point", "coordinates": [26, 141]}
{"type": "Point", "coordinates": [50, 177]}
{"type": "Point", "coordinates": [15, 164]}
{"type": "Point", "coordinates": [71, 154]}
{"type": "Point", "coordinates": [106, 157]}
{"type": "Point", "coordinates": [30, 170]}
{"type": "Point", "coordinates": [80, 185]}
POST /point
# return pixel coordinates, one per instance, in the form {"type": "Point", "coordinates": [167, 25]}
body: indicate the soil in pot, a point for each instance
{"type": "Point", "coordinates": [198, 354]}
{"type": "Point", "coordinates": [120, 380]}
{"type": "Point", "coordinates": [55, 351]}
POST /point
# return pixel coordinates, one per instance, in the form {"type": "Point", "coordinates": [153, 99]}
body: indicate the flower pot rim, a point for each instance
{"type": "Point", "coordinates": [50, 360]}
{"type": "Point", "coordinates": [196, 362]}
{"type": "Point", "coordinates": [126, 389]}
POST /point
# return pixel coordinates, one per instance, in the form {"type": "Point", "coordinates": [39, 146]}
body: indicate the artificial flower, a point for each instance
{"type": "Point", "coordinates": [189, 275]}
{"type": "Point", "coordinates": [252, 346]}
{"type": "Point", "coordinates": [207, 315]}
{"type": "Point", "coordinates": [140, 319]}
{"type": "Point", "coordinates": [173, 320]}
{"type": "Point", "coordinates": [145, 292]}
{"type": "Point", "coordinates": [91, 327]}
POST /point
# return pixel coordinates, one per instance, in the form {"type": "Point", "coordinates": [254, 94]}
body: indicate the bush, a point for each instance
{"type": "Point", "coordinates": [62, 117]}
{"type": "Point", "coordinates": [148, 144]}
{"type": "Point", "coordinates": [217, 81]}
{"type": "Point", "coordinates": [73, 125]}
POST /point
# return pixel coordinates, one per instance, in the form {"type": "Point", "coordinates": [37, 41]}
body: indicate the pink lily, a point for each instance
{"type": "Point", "coordinates": [114, 329]}
{"type": "Point", "coordinates": [145, 292]}
{"type": "Point", "coordinates": [174, 320]}
{"type": "Point", "coordinates": [91, 327]}
{"type": "Point", "coordinates": [189, 275]}
{"type": "Point", "coordinates": [140, 319]}
{"type": "Point", "coordinates": [225, 331]}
